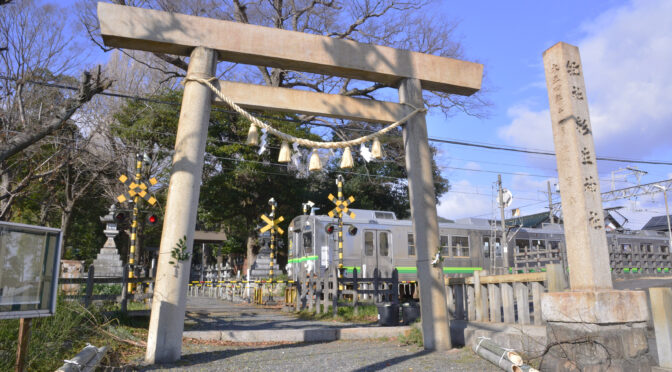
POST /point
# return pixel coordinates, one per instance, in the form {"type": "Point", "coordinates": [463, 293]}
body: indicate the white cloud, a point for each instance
{"type": "Point", "coordinates": [626, 54]}
{"type": "Point", "coordinates": [461, 202]}
{"type": "Point", "coordinates": [531, 129]}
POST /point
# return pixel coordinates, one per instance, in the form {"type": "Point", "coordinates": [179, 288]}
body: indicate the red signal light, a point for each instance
{"type": "Point", "coordinates": [330, 229]}
{"type": "Point", "coordinates": [120, 217]}
{"type": "Point", "coordinates": [152, 219]}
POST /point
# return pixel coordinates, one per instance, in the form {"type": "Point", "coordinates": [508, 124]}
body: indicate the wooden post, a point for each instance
{"type": "Point", "coordinates": [297, 298]}
{"type": "Point", "coordinates": [495, 297]}
{"type": "Point", "coordinates": [555, 278]}
{"type": "Point", "coordinates": [451, 301]}
{"type": "Point", "coordinates": [311, 292]}
{"type": "Point", "coordinates": [22, 349]}
{"type": "Point", "coordinates": [507, 302]}
{"type": "Point", "coordinates": [435, 328]}
{"type": "Point", "coordinates": [537, 290]}
{"type": "Point", "coordinates": [89, 286]}
{"type": "Point", "coordinates": [523, 301]}
{"type": "Point", "coordinates": [471, 303]}
{"type": "Point", "coordinates": [375, 286]}
{"type": "Point", "coordinates": [164, 341]}
{"type": "Point", "coordinates": [479, 309]}
{"type": "Point", "coordinates": [124, 289]}
{"type": "Point", "coordinates": [395, 287]}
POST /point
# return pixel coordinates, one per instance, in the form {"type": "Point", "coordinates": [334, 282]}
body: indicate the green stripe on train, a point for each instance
{"type": "Point", "coordinates": [446, 270]}
{"type": "Point", "coordinates": [302, 259]}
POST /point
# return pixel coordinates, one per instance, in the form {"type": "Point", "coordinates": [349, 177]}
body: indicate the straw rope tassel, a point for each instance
{"type": "Point", "coordinates": [253, 136]}
{"type": "Point", "coordinates": [376, 149]}
{"type": "Point", "coordinates": [285, 153]}
{"type": "Point", "coordinates": [315, 161]}
{"type": "Point", "coordinates": [346, 160]}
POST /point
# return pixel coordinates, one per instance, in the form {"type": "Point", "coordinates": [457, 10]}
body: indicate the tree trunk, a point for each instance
{"type": "Point", "coordinates": [251, 254]}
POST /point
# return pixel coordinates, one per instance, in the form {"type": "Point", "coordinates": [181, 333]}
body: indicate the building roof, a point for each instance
{"type": "Point", "coordinates": [657, 223]}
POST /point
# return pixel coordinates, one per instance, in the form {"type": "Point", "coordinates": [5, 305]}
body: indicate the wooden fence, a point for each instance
{"type": "Point", "coordinates": [315, 294]}
{"type": "Point", "coordinates": [124, 280]}
{"type": "Point", "coordinates": [511, 298]}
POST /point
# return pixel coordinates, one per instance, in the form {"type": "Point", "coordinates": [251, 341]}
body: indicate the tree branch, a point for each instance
{"type": "Point", "coordinates": [88, 88]}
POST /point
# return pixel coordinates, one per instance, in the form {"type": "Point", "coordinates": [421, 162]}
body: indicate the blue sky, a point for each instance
{"type": "Point", "coordinates": [625, 48]}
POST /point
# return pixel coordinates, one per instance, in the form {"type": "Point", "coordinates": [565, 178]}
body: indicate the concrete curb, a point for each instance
{"type": "Point", "coordinates": [300, 335]}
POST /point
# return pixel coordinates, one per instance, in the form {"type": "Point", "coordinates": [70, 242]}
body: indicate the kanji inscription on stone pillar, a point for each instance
{"type": "Point", "coordinates": [587, 252]}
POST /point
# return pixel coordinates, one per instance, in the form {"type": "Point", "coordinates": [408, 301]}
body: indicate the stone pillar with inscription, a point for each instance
{"type": "Point", "coordinates": [592, 326]}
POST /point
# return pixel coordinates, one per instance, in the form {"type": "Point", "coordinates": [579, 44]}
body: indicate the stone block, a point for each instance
{"type": "Point", "coordinates": [591, 347]}
{"type": "Point", "coordinates": [595, 307]}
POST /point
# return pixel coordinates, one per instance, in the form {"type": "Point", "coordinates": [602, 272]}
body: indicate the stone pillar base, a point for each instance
{"type": "Point", "coordinates": [595, 331]}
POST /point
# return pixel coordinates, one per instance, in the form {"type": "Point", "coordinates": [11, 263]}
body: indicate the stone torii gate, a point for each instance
{"type": "Point", "coordinates": [206, 41]}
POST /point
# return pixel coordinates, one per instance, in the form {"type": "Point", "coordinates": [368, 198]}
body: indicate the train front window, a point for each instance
{"type": "Point", "coordinates": [486, 247]}
{"type": "Point", "coordinates": [460, 245]}
{"type": "Point", "coordinates": [521, 245]}
{"type": "Point", "coordinates": [308, 242]}
{"type": "Point", "coordinates": [383, 244]}
{"type": "Point", "coordinates": [445, 246]}
{"type": "Point", "coordinates": [538, 245]}
{"type": "Point", "coordinates": [411, 245]}
{"type": "Point", "coordinates": [368, 243]}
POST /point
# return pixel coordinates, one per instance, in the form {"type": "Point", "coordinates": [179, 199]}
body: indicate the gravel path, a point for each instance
{"type": "Point", "coordinates": [369, 355]}
{"type": "Point", "coordinates": [205, 313]}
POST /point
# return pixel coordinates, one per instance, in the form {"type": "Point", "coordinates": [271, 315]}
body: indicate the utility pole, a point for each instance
{"type": "Point", "coordinates": [667, 212]}
{"type": "Point", "coordinates": [505, 242]}
{"type": "Point", "coordinates": [550, 202]}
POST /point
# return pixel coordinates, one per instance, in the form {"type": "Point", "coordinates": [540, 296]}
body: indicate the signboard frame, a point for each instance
{"type": "Point", "coordinates": [50, 268]}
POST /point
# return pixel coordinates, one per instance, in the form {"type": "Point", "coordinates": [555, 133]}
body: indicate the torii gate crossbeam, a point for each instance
{"type": "Point", "coordinates": [206, 40]}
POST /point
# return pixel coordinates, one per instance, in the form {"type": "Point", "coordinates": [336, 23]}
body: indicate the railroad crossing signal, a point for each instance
{"type": "Point", "coordinates": [139, 189]}
{"type": "Point", "coordinates": [341, 207]}
{"type": "Point", "coordinates": [272, 224]}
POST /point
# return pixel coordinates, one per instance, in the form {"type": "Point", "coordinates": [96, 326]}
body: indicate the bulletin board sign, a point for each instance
{"type": "Point", "coordinates": [29, 268]}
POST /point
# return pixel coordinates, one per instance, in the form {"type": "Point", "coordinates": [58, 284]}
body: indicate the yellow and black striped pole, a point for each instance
{"type": "Point", "coordinates": [339, 183]}
{"type": "Point", "coordinates": [134, 222]}
{"type": "Point", "coordinates": [341, 207]}
{"type": "Point", "coordinates": [272, 215]}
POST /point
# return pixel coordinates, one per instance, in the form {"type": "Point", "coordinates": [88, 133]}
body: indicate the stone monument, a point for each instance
{"type": "Point", "coordinates": [261, 266]}
{"type": "Point", "coordinates": [592, 327]}
{"type": "Point", "coordinates": [108, 263]}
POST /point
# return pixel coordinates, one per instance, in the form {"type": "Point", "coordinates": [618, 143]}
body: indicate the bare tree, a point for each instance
{"type": "Point", "coordinates": [38, 53]}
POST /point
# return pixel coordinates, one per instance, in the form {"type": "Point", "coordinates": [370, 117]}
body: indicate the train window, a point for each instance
{"type": "Point", "coordinates": [625, 248]}
{"type": "Point", "coordinates": [553, 245]}
{"type": "Point", "coordinates": [460, 245]}
{"type": "Point", "coordinates": [445, 247]}
{"type": "Point", "coordinates": [368, 243]}
{"type": "Point", "coordinates": [538, 245]}
{"type": "Point", "coordinates": [308, 242]}
{"type": "Point", "coordinates": [411, 245]}
{"type": "Point", "coordinates": [486, 247]}
{"type": "Point", "coordinates": [383, 244]}
{"type": "Point", "coordinates": [645, 247]}
{"type": "Point", "coordinates": [521, 245]}
{"type": "Point", "coordinates": [664, 249]}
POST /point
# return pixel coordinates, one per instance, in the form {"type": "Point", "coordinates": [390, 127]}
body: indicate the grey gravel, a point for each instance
{"type": "Point", "coordinates": [369, 355]}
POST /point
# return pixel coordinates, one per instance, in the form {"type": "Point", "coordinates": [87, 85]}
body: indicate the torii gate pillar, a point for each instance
{"type": "Point", "coordinates": [166, 324]}
{"type": "Point", "coordinates": [436, 333]}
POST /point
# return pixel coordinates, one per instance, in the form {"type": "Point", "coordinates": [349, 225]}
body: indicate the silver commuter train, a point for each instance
{"type": "Point", "coordinates": [378, 240]}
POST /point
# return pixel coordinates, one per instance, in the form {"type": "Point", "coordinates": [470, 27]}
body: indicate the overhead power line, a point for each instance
{"type": "Point", "coordinates": [452, 142]}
